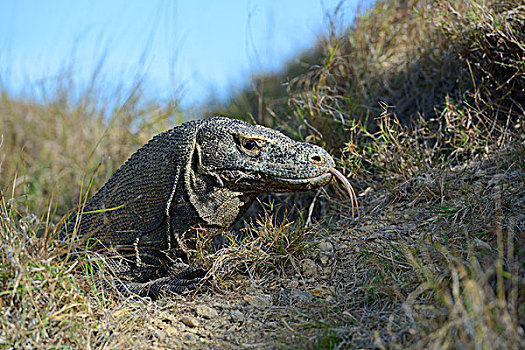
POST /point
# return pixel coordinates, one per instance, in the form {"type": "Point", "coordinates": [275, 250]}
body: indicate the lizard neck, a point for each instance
{"type": "Point", "coordinates": [201, 204]}
{"type": "Point", "coordinates": [215, 204]}
{"type": "Point", "coordinates": [201, 201]}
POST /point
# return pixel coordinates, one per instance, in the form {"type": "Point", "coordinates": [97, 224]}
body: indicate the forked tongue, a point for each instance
{"type": "Point", "coordinates": [349, 188]}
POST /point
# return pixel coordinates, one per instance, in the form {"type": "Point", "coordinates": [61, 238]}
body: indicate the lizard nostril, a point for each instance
{"type": "Point", "coordinates": [316, 158]}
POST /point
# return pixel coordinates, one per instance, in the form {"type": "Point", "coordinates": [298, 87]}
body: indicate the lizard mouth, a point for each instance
{"type": "Point", "coordinates": [305, 183]}
{"type": "Point", "coordinates": [321, 180]}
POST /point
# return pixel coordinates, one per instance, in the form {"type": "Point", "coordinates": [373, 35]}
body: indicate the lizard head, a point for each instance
{"type": "Point", "coordinates": [253, 158]}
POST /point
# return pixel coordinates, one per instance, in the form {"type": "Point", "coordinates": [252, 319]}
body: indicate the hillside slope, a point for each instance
{"type": "Point", "coordinates": [421, 102]}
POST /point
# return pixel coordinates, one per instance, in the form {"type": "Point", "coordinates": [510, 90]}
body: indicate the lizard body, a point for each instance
{"type": "Point", "coordinates": [201, 174]}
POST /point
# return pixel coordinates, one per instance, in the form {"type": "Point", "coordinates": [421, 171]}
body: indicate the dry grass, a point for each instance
{"type": "Point", "coordinates": [43, 302]}
{"type": "Point", "coordinates": [264, 245]}
{"type": "Point", "coordinates": [61, 143]}
{"type": "Point", "coordinates": [421, 101]}
{"type": "Point", "coordinates": [435, 264]}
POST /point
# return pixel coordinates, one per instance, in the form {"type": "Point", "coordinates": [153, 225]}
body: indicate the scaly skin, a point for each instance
{"type": "Point", "coordinates": [199, 175]}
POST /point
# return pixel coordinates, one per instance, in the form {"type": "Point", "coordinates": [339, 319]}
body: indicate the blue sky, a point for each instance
{"type": "Point", "coordinates": [186, 49]}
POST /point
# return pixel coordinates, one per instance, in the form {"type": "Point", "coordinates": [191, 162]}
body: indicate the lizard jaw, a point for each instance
{"type": "Point", "coordinates": [303, 184]}
{"type": "Point", "coordinates": [319, 181]}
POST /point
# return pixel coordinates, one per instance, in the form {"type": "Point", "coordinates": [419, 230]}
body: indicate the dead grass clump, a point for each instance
{"type": "Point", "coordinates": [490, 39]}
{"type": "Point", "coordinates": [469, 302]}
{"type": "Point", "coordinates": [262, 246]}
{"type": "Point", "coordinates": [48, 300]}
{"type": "Point", "coordinates": [41, 300]}
{"type": "Point", "coordinates": [52, 140]}
{"type": "Point", "coordinates": [390, 50]}
{"type": "Point", "coordinates": [419, 57]}
{"type": "Point", "coordinates": [469, 263]}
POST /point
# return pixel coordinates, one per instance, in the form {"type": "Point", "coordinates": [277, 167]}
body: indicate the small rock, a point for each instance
{"type": "Point", "coordinates": [206, 312]}
{"type": "Point", "coordinates": [293, 284]}
{"type": "Point", "coordinates": [326, 247]}
{"type": "Point", "coordinates": [222, 305]}
{"type": "Point", "coordinates": [270, 324]}
{"type": "Point", "coordinates": [237, 316]}
{"type": "Point", "coordinates": [232, 331]}
{"type": "Point", "coordinates": [189, 321]}
{"type": "Point", "coordinates": [325, 260]}
{"type": "Point", "coordinates": [309, 268]}
{"type": "Point", "coordinates": [261, 301]}
{"type": "Point", "coordinates": [189, 338]}
{"type": "Point", "coordinates": [160, 335]}
{"type": "Point", "coordinates": [292, 295]}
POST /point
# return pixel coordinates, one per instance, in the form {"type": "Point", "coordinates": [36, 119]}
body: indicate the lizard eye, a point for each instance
{"type": "Point", "coordinates": [252, 146]}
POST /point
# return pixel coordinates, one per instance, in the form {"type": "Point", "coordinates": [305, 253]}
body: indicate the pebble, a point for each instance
{"type": "Point", "coordinates": [237, 316]}
{"type": "Point", "coordinates": [326, 247]}
{"type": "Point", "coordinates": [160, 335]}
{"type": "Point", "coordinates": [261, 301]}
{"type": "Point", "coordinates": [189, 321]}
{"type": "Point", "coordinates": [189, 338]}
{"type": "Point", "coordinates": [293, 284]}
{"type": "Point", "coordinates": [206, 312]}
{"type": "Point", "coordinates": [309, 268]}
{"type": "Point", "coordinates": [222, 305]}
{"type": "Point", "coordinates": [325, 260]}
{"type": "Point", "coordinates": [292, 295]}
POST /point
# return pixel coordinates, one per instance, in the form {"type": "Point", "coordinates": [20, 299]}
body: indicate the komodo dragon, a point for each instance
{"type": "Point", "coordinates": [199, 175]}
